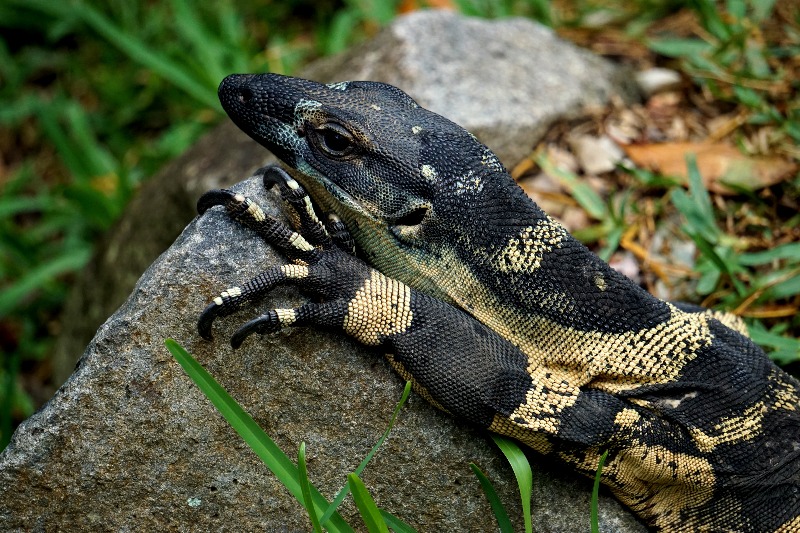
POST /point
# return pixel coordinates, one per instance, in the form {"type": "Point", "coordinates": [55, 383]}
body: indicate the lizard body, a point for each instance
{"type": "Point", "coordinates": [501, 317]}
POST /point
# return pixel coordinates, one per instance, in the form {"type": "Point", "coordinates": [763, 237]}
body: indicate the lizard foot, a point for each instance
{"type": "Point", "coordinates": [321, 260]}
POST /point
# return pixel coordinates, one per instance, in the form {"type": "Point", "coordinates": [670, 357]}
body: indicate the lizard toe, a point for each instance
{"type": "Point", "coordinates": [268, 323]}
{"type": "Point", "coordinates": [214, 198]}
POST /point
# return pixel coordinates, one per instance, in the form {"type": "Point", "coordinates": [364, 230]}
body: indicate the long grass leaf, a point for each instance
{"type": "Point", "coordinates": [395, 524]}
{"type": "Point", "coordinates": [595, 493]}
{"type": "Point", "coordinates": [340, 496]}
{"type": "Point", "coordinates": [685, 48]}
{"type": "Point", "coordinates": [366, 506]}
{"type": "Point", "coordinates": [500, 513]}
{"type": "Point", "coordinates": [784, 349]}
{"type": "Point", "coordinates": [14, 205]}
{"type": "Point", "coordinates": [789, 251]}
{"type": "Point", "coordinates": [255, 437]}
{"type": "Point", "coordinates": [140, 52]}
{"type": "Point", "coordinates": [205, 45]}
{"type": "Point", "coordinates": [98, 160]}
{"type": "Point", "coordinates": [522, 471]}
{"type": "Point", "coordinates": [41, 275]}
{"type": "Point", "coordinates": [589, 200]}
{"type": "Point", "coordinates": [48, 116]}
{"type": "Point", "coordinates": [305, 486]}
{"type": "Point", "coordinates": [701, 202]}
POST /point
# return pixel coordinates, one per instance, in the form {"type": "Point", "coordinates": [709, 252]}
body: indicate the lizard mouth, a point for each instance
{"type": "Point", "coordinates": [333, 198]}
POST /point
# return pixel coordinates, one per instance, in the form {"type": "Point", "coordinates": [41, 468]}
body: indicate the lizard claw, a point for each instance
{"type": "Point", "coordinates": [206, 320]}
{"type": "Point", "coordinates": [213, 198]}
{"type": "Point", "coordinates": [269, 323]}
{"type": "Point", "coordinates": [274, 175]}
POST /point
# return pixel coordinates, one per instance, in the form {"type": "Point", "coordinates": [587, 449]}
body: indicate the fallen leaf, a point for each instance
{"type": "Point", "coordinates": [407, 6]}
{"type": "Point", "coordinates": [522, 168]}
{"type": "Point", "coordinates": [596, 155]}
{"type": "Point", "coordinates": [719, 164]}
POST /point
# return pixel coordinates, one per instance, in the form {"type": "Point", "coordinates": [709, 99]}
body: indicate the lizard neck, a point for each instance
{"type": "Point", "coordinates": [512, 255]}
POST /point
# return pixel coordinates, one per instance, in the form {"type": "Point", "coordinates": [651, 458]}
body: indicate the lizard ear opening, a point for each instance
{"type": "Point", "coordinates": [408, 226]}
{"type": "Point", "coordinates": [413, 217]}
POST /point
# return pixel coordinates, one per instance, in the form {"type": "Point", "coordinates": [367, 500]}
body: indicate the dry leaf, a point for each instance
{"type": "Point", "coordinates": [407, 6]}
{"type": "Point", "coordinates": [596, 155]}
{"type": "Point", "coordinates": [522, 168]}
{"type": "Point", "coordinates": [718, 163]}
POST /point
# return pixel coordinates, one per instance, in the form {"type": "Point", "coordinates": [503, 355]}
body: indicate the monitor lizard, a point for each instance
{"type": "Point", "coordinates": [502, 318]}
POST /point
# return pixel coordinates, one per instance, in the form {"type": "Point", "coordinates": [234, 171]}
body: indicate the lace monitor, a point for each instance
{"type": "Point", "coordinates": [500, 316]}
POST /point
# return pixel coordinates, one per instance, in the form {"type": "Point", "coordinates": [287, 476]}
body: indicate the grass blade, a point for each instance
{"type": "Point", "coordinates": [41, 275]}
{"type": "Point", "coordinates": [789, 251]}
{"type": "Point", "coordinates": [305, 487]}
{"type": "Point", "coordinates": [699, 195]}
{"type": "Point", "coordinates": [522, 470]}
{"type": "Point", "coordinates": [340, 496]}
{"type": "Point", "coordinates": [204, 43]}
{"type": "Point", "coordinates": [138, 51]}
{"type": "Point", "coordinates": [395, 524]}
{"type": "Point", "coordinates": [503, 521]}
{"type": "Point", "coordinates": [589, 200]}
{"type": "Point", "coordinates": [596, 492]}
{"type": "Point", "coordinates": [269, 452]}
{"type": "Point", "coordinates": [366, 506]}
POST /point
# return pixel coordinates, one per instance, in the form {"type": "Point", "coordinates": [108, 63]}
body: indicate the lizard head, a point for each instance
{"type": "Point", "coordinates": [401, 177]}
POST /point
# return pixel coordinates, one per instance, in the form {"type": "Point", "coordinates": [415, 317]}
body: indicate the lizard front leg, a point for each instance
{"type": "Point", "coordinates": [429, 340]}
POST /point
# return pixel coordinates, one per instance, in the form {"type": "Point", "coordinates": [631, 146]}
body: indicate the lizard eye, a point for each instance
{"type": "Point", "coordinates": [334, 140]}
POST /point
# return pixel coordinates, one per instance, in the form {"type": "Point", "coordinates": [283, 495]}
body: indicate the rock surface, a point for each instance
{"type": "Point", "coordinates": [130, 443]}
{"type": "Point", "coordinates": [505, 80]}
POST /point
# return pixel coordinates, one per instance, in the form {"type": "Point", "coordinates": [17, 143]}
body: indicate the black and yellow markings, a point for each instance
{"type": "Point", "coordinates": [501, 317]}
{"type": "Point", "coordinates": [525, 251]}
{"type": "Point", "coordinates": [380, 308]}
{"type": "Point", "coordinates": [792, 526]}
{"type": "Point", "coordinates": [233, 292]}
{"type": "Point", "coordinates": [299, 242]}
{"type": "Point", "coordinates": [308, 209]}
{"type": "Point", "coordinates": [747, 423]}
{"type": "Point", "coordinates": [660, 480]}
{"type": "Point", "coordinates": [253, 209]}
{"type": "Point", "coordinates": [429, 173]}
{"type": "Point", "coordinates": [286, 317]}
{"type": "Point", "coordinates": [295, 271]}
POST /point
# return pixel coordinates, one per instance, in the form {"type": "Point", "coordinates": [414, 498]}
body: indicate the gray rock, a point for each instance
{"type": "Point", "coordinates": [505, 80]}
{"type": "Point", "coordinates": [130, 443]}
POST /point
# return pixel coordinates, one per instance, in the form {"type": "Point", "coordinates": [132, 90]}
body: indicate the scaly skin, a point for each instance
{"type": "Point", "coordinates": [501, 317]}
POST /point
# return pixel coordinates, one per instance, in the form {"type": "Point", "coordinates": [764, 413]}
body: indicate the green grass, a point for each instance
{"type": "Point", "coordinates": [594, 515]}
{"type": "Point", "coordinates": [737, 63]}
{"type": "Point", "coordinates": [321, 512]}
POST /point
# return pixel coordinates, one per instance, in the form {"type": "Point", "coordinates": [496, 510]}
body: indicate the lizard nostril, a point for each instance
{"type": "Point", "coordinates": [245, 95]}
